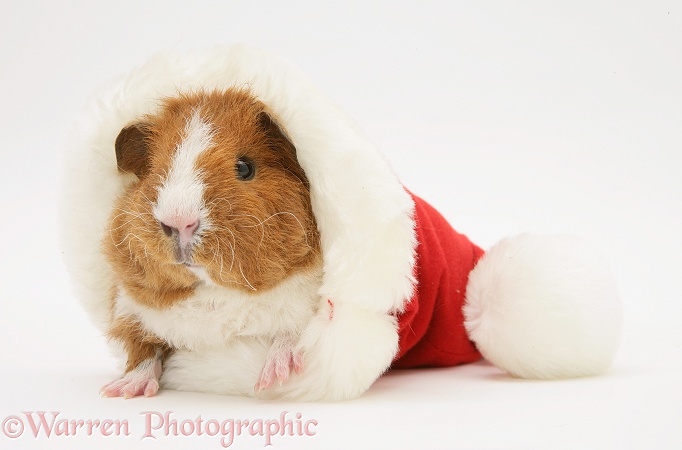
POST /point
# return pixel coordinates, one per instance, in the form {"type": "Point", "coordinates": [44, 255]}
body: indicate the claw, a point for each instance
{"type": "Point", "coordinates": [297, 362]}
{"type": "Point", "coordinates": [282, 358]}
{"type": "Point", "coordinates": [143, 380]}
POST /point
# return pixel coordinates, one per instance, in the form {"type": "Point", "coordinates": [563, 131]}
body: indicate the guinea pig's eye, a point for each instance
{"type": "Point", "coordinates": [246, 169]}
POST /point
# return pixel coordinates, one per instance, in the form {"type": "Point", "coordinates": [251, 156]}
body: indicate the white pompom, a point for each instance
{"type": "Point", "coordinates": [544, 307]}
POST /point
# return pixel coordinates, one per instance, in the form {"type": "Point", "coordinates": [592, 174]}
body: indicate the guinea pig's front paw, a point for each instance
{"type": "Point", "coordinates": [281, 359]}
{"type": "Point", "coordinates": [143, 380]}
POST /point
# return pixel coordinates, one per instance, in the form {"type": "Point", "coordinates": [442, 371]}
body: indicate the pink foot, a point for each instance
{"type": "Point", "coordinates": [143, 380]}
{"type": "Point", "coordinates": [282, 358]}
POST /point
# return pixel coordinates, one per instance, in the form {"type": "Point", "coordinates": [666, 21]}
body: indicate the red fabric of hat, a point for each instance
{"type": "Point", "coordinates": [431, 327]}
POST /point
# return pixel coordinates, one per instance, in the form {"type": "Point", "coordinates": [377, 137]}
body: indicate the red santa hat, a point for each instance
{"type": "Point", "coordinates": [405, 288]}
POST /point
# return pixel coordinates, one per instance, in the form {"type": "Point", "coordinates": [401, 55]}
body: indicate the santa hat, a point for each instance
{"type": "Point", "coordinates": [395, 273]}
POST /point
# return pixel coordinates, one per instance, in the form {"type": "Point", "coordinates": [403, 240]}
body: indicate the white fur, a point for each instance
{"type": "Point", "coordinates": [544, 307]}
{"type": "Point", "coordinates": [232, 368]}
{"type": "Point", "coordinates": [202, 274]}
{"type": "Point", "coordinates": [368, 273]}
{"type": "Point", "coordinates": [181, 193]}
{"type": "Point", "coordinates": [215, 315]}
{"type": "Point", "coordinates": [341, 359]}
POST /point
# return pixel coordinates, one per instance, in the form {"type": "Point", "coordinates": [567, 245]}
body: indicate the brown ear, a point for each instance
{"type": "Point", "coordinates": [276, 137]}
{"type": "Point", "coordinates": [280, 144]}
{"type": "Point", "coordinates": [132, 149]}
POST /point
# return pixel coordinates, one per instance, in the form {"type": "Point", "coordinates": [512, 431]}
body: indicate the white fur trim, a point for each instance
{"type": "Point", "coordinates": [544, 307]}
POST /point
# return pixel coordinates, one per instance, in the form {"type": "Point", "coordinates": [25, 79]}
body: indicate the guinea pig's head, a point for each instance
{"type": "Point", "coordinates": [219, 192]}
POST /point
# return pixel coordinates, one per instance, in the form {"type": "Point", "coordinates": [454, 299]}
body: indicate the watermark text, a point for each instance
{"type": "Point", "coordinates": [157, 425]}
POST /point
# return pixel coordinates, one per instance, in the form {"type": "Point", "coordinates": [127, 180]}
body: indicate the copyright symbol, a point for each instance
{"type": "Point", "coordinates": [13, 427]}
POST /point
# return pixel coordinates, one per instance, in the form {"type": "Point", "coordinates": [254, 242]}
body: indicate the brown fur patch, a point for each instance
{"type": "Point", "coordinates": [139, 344]}
{"type": "Point", "coordinates": [261, 230]}
{"type": "Point", "coordinates": [267, 221]}
{"type": "Point", "coordinates": [142, 262]}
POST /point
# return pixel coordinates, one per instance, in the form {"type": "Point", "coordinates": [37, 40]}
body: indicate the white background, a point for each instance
{"type": "Point", "coordinates": [507, 116]}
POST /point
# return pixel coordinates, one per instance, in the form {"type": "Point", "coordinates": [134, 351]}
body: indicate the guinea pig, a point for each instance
{"type": "Point", "coordinates": [214, 239]}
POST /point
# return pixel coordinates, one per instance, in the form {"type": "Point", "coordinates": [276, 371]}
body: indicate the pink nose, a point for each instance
{"type": "Point", "coordinates": [183, 227]}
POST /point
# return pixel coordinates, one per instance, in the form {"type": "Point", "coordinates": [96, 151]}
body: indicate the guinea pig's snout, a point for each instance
{"type": "Point", "coordinates": [182, 229]}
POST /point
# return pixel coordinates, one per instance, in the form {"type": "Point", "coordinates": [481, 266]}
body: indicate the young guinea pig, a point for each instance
{"type": "Point", "coordinates": [220, 214]}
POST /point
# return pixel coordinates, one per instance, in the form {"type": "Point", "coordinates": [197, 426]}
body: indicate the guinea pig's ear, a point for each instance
{"type": "Point", "coordinates": [272, 130]}
{"type": "Point", "coordinates": [132, 149]}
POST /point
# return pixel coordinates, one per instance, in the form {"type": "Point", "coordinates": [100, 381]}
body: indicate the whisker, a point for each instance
{"type": "Point", "coordinates": [217, 201]}
{"type": "Point", "coordinates": [305, 232]}
{"type": "Point", "coordinates": [131, 212]}
{"type": "Point", "coordinates": [150, 202]}
{"type": "Point", "coordinates": [127, 236]}
{"type": "Point", "coordinates": [230, 246]}
{"type": "Point", "coordinates": [125, 223]}
{"type": "Point", "coordinates": [247, 281]}
{"type": "Point", "coordinates": [220, 274]}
